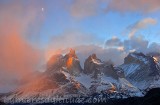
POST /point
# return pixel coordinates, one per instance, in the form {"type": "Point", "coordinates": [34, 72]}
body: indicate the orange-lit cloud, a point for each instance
{"type": "Point", "coordinates": [18, 58]}
{"type": "Point", "coordinates": [142, 24]}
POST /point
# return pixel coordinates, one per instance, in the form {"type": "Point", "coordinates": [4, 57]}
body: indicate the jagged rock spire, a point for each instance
{"type": "Point", "coordinates": [72, 53]}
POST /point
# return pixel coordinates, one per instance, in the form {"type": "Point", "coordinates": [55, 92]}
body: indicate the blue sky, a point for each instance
{"type": "Point", "coordinates": [104, 25]}
{"type": "Point", "coordinates": [101, 19]}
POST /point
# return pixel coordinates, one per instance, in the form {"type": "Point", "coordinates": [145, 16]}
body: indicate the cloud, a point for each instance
{"type": "Point", "coordinates": [154, 47]}
{"type": "Point", "coordinates": [142, 24]}
{"type": "Point", "coordinates": [135, 43]}
{"type": "Point", "coordinates": [143, 6]}
{"type": "Point", "coordinates": [84, 8]}
{"type": "Point", "coordinates": [18, 57]}
{"type": "Point", "coordinates": [69, 39]}
{"type": "Point", "coordinates": [120, 48]}
{"type": "Point", "coordinates": [105, 54]}
{"type": "Point", "coordinates": [113, 42]}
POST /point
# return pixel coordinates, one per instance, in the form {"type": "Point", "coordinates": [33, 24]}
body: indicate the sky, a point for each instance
{"type": "Point", "coordinates": [31, 31]}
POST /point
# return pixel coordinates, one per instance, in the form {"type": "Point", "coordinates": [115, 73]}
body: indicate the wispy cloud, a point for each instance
{"type": "Point", "coordinates": [142, 24]}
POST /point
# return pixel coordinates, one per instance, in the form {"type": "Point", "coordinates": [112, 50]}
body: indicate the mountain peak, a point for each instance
{"type": "Point", "coordinates": [70, 57]}
{"type": "Point", "coordinates": [137, 54]}
{"type": "Point", "coordinates": [139, 67]}
{"type": "Point", "coordinates": [135, 57]}
{"type": "Point", "coordinates": [94, 56]}
{"type": "Point", "coordinates": [72, 62]}
{"type": "Point", "coordinates": [72, 53]}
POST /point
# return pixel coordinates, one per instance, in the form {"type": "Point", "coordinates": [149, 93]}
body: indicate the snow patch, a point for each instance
{"type": "Point", "coordinates": [96, 61]}
{"type": "Point", "coordinates": [84, 79]}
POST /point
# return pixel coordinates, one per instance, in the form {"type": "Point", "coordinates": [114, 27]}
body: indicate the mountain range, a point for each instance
{"type": "Point", "coordinates": [65, 77]}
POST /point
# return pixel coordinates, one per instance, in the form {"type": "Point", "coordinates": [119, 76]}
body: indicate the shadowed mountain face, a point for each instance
{"type": "Point", "coordinates": [151, 98]}
{"type": "Point", "coordinates": [140, 69]}
{"type": "Point", "coordinates": [1, 103]}
{"type": "Point", "coordinates": [95, 66]}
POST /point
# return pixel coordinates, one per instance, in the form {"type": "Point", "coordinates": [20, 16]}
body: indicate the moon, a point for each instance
{"type": "Point", "coordinates": [42, 9]}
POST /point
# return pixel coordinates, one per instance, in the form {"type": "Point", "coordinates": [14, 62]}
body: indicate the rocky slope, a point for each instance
{"type": "Point", "coordinates": [141, 70]}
